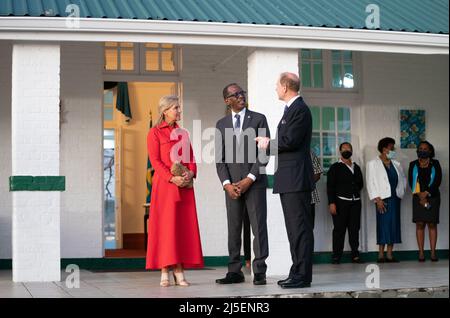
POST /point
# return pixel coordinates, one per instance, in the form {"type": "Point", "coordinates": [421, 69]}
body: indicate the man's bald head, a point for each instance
{"type": "Point", "coordinates": [291, 81]}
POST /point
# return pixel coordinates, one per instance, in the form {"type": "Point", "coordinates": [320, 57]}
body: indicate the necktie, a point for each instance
{"type": "Point", "coordinates": [237, 125]}
{"type": "Point", "coordinates": [286, 108]}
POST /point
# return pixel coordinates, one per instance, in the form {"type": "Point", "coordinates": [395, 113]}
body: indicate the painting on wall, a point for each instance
{"type": "Point", "coordinates": [412, 127]}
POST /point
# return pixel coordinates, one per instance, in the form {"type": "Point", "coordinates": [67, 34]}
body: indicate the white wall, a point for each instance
{"type": "Point", "coordinates": [82, 150]}
{"type": "Point", "coordinates": [202, 99]}
{"type": "Point", "coordinates": [5, 149]}
{"type": "Point", "coordinates": [400, 81]}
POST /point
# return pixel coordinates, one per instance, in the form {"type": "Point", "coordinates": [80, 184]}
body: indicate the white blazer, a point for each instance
{"type": "Point", "coordinates": [378, 182]}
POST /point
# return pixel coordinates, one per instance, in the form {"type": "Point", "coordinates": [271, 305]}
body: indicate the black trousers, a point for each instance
{"type": "Point", "coordinates": [255, 202]}
{"type": "Point", "coordinates": [247, 235]}
{"type": "Point", "coordinates": [298, 220]}
{"type": "Point", "coordinates": [313, 214]}
{"type": "Point", "coordinates": [348, 218]}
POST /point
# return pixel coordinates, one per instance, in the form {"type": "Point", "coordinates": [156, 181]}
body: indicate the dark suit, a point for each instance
{"type": "Point", "coordinates": [234, 162]}
{"type": "Point", "coordinates": [294, 181]}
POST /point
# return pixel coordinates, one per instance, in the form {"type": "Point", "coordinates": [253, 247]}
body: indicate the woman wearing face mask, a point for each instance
{"type": "Point", "coordinates": [424, 178]}
{"type": "Point", "coordinates": [386, 185]}
{"type": "Point", "coordinates": [344, 184]}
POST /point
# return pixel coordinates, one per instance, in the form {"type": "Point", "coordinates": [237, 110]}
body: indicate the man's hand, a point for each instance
{"type": "Point", "coordinates": [263, 142]}
{"type": "Point", "coordinates": [232, 191]}
{"type": "Point", "coordinates": [423, 195]}
{"type": "Point", "coordinates": [243, 185]}
{"type": "Point", "coordinates": [332, 208]}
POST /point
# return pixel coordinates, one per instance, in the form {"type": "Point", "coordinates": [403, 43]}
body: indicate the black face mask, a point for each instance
{"type": "Point", "coordinates": [423, 154]}
{"type": "Point", "coordinates": [346, 154]}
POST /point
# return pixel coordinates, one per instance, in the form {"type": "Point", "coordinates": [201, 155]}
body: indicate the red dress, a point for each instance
{"type": "Point", "coordinates": [173, 233]}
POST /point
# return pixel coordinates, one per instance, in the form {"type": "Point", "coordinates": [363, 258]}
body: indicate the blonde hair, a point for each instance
{"type": "Point", "coordinates": [165, 103]}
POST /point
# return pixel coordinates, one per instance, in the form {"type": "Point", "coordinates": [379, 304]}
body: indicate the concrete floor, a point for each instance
{"type": "Point", "coordinates": [327, 279]}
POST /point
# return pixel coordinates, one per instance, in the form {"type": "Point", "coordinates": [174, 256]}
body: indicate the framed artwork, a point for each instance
{"type": "Point", "coordinates": [412, 128]}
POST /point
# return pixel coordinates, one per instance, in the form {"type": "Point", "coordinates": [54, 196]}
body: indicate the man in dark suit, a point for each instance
{"type": "Point", "coordinates": [293, 178]}
{"type": "Point", "coordinates": [241, 171]}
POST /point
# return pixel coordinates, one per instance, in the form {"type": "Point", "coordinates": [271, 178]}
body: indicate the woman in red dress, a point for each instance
{"type": "Point", "coordinates": [174, 239]}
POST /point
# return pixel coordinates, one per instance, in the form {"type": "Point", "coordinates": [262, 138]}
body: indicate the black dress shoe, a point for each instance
{"type": "Point", "coordinates": [435, 259]}
{"type": "Point", "coordinates": [283, 281]}
{"type": "Point", "coordinates": [295, 283]}
{"type": "Point", "coordinates": [259, 279]}
{"type": "Point", "coordinates": [381, 260]}
{"type": "Point", "coordinates": [357, 260]}
{"type": "Point", "coordinates": [232, 278]}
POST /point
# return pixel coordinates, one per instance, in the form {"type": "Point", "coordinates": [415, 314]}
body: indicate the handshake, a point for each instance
{"type": "Point", "coordinates": [263, 142]}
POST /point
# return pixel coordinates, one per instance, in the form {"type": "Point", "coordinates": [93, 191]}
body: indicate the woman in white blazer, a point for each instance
{"type": "Point", "coordinates": [386, 184]}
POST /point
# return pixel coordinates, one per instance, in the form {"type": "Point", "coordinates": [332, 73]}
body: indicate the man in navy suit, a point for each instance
{"type": "Point", "coordinates": [293, 178]}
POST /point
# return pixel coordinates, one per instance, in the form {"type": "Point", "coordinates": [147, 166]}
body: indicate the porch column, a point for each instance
{"type": "Point", "coordinates": [35, 182]}
{"type": "Point", "coordinates": [264, 69]}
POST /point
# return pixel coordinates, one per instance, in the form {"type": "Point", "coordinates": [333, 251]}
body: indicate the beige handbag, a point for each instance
{"type": "Point", "coordinates": [178, 169]}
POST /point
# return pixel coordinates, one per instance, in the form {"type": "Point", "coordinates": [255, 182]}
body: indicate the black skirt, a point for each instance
{"type": "Point", "coordinates": [421, 214]}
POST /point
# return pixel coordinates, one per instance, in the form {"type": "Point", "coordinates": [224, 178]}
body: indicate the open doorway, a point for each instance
{"type": "Point", "coordinates": [125, 166]}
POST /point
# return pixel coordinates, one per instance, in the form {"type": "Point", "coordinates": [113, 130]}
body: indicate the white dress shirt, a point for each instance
{"type": "Point", "coordinates": [292, 100]}
{"type": "Point", "coordinates": [352, 169]}
{"type": "Point", "coordinates": [233, 117]}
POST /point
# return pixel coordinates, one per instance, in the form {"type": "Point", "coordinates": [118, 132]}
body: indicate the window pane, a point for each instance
{"type": "Point", "coordinates": [108, 113]}
{"type": "Point", "coordinates": [343, 119]}
{"type": "Point", "coordinates": [318, 75]}
{"type": "Point", "coordinates": [329, 144]}
{"type": "Point", "coordinates": [126, 44]}
{"type": "Point", "coordinates": [328, 118]}
{"type": "Point", "coordinates": [336, 55]}
{"type": "Point", "coordinates": [315, 113]}
{"type": "Point", "coordinates": [151, 60]}
{"type": "Point", "coordinates": [315, 143]}
{"type": "Point", "coordinates": [127, 60]}
{"type": "Point", "coordinates": [152, 45]}
{"type": "Point", "coordinates": [111, 44]}
{"type": "Point", "coordinates": [317, 54]}
{"type": "Point", "coordinates": [111, 59]}
{"type": "Point", "coordinates": [347, 55]}
{"type": "Point", "coordinates": [337, 80]}
{"type": "Point", "coordinates": [306, 54]}
{"type": "Point", "coordinates": [108, 97]}
{"type": "Point", "coordinates": [306, 74]}
{"type": "Point", "coordinates": [348, 76]}
{"type": "Point", "coordinates": [168, 63]}
{"type": "Point", "coordinates": [167, 46]}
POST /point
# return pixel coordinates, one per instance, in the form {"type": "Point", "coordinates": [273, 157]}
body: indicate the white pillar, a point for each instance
{"type": "Point", "coordinates": [264, 69]}
{"type": "Point", "coordinates": [35, 152]}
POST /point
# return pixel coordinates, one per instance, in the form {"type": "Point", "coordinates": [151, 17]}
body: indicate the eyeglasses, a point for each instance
{"type": "Point", "coordinates": [237, 94]}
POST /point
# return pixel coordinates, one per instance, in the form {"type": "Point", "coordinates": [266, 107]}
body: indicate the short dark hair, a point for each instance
{"type": "Point", "coordinates": [225, 90]}
{"type": "Point", "coordinates": [384, 143]}
{"type": "Point", "coordinates": [291, 81]}
{"type": "Point", "coordinates": [432, 152]}
{"type": "Point", "coordinates": [345, 143]}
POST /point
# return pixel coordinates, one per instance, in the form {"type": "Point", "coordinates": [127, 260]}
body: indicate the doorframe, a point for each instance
{"type": "Point", "coordinates": [118, 134]}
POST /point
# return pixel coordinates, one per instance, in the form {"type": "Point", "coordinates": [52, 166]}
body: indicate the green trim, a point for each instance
{"type": "Point", "coordinates": [39, 183]}
{"type": "Point", "coordinates": [218, 261]}
{"type": "Point", "coordinates": [270, 180]}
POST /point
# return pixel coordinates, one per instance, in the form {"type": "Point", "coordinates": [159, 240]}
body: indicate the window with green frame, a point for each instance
{"type": "Point", "coordinates": [328, 70]}
{"type": "Point", "coordinates": [312, 68]}
{"type": "Point", "coordinates": [342, 62]}
{"type": "Point", "coordinates": [331, 127]}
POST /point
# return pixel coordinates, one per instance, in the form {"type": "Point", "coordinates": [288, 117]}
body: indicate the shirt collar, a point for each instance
{"type": "Point", "coordinates": [292, 100]}
{"type": "Point", "coordinates": [353, 163]}
{"type": "Point", "coordinates": [165, 124]}
{"type": "Point", "coordinates": [241, 113]}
